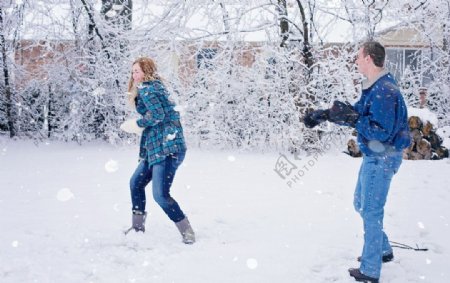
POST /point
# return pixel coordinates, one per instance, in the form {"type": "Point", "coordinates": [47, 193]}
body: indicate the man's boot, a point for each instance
{"type": "Point", "coordinates": [360, 277]}
{"type": "Point", "coordinates": [186, 231]}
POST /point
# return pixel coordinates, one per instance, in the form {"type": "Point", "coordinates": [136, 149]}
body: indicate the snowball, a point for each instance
{"type": "Point", "coordinates": [15, 244]}
{"type": "Point", "coordinates": [171, 136]}
{"type": "Point", "coordinates": [252, 263]}
{"type": "Point", "coordinates": [428, 261]}
{"type": "Point", "coordinates": [376, 146]}
{"type": "Point", "coordinates": [64, 194]}
{"type": "Point", "coordinates": [420, 225]}
{"type": "Point", "coordinates": [111, 166]}
{"type": "Point", "coordinates": [231, 158]}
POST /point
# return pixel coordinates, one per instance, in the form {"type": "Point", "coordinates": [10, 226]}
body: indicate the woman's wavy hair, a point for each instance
{"type": "Point", "coordinates": [147, 66]}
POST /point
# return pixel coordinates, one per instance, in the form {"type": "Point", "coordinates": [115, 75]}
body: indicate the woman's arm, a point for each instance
{"type": "Point", "coordinates": [154, 109]}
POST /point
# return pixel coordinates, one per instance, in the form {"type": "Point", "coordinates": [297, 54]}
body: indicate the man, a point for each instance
{"type": "Point", "coordinates": [380, 118]}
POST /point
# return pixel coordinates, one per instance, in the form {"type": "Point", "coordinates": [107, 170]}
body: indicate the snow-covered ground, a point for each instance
{"type": "Point", "coordinates": [63, 208]}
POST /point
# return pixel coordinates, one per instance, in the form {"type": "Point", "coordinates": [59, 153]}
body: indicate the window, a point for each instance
{"type": "Point", "coordinates": [400, 59]}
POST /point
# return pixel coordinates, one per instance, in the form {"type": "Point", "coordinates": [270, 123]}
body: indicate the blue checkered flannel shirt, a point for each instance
{"type": "Point", "coordinates": [163, 133]}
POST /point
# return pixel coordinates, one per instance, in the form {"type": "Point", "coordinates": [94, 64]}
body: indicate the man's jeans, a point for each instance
{"type": "Point", "coordinates": [374, 179]}
{"type": "Point", "coordinates": [161, 174]}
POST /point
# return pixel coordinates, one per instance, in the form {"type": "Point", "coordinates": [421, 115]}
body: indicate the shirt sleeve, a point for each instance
{"type": "Point", "coordinates": [154, 109]}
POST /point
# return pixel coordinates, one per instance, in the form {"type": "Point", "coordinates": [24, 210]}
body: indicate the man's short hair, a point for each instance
{"type": "Point", "coordinates": [376, 51]}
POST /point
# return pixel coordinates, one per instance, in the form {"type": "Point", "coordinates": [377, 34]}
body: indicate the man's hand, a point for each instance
{"type": "Point", "coordinates": [343, 113]}
{"type": "Point", "coordinates": [316, 117]}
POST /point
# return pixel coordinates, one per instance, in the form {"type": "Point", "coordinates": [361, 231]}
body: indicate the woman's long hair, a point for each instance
{"type": "Point", "coordinates": [148, 66]}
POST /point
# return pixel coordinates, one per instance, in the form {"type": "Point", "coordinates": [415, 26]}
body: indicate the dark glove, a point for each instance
{"type": "Point", "coordinates": [316, 117]}
{"type": "Point", "coordinates": [343, 113]}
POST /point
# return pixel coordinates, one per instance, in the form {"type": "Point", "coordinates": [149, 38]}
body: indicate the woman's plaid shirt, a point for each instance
{"type": "Point", "coordinates": [163, 133]}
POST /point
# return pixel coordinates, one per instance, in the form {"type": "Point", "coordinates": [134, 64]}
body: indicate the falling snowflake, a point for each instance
{"type": "Point", "coordinates": [111, 166]}
{"type": "Point", "coordinates": [64, 194]}
{"type": "Point", "coordinates": [252, 263]}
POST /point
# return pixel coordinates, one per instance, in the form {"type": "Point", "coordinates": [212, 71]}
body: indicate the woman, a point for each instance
{"type": "Point", "coordinates": [162, 146]}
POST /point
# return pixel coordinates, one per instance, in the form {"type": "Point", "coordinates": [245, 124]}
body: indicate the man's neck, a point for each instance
{"type": "Point", "coordinates": [374, 73]}
{"type": "Point", "coordinates": [373, 76]}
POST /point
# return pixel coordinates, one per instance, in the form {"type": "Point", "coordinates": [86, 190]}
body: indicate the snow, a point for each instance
{"type": "Point", "coordinates": [424, 114]}
{"type": "Point", "coordinates": [63, 213]}
{"type": "Point", "coordinates": [444, 133]}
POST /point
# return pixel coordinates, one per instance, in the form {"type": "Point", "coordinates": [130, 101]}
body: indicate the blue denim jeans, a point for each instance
{"type": "Point", "coordinates": [374, 179]}
{"type": "Point", "coordinates": [161, 174]}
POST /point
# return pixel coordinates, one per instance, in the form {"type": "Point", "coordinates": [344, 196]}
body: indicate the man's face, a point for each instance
{"type": "Point", "coordinates": [362, 62]}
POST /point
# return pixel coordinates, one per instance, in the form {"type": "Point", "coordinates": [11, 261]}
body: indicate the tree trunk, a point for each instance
{"type": "Point", "coordinates": [307, 55]}
{"type": "Point", "coordinates": [8, 97]}
{"type": "Point", "coordinates": [446, 31]}
{"type": "Point", "coordinates": [284, 25]}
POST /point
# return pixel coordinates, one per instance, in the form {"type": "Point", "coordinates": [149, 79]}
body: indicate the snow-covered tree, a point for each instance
{"type": "Point", "coordinates": [242, 72]}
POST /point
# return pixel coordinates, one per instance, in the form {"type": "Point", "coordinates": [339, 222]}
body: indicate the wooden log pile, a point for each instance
{"type": "Point", "coordinates": [426, 144]}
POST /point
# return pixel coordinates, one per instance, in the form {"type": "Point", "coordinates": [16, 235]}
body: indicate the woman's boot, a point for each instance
{"type": "Point", "coordinates": [186, 231]}
{"type": "Point", "coordinates": [138, 221]}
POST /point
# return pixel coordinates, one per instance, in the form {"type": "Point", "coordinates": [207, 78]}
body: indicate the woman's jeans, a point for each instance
{"type": "Point", "coordinates": [374, 179]}
{"type": "Point", "coordinates": [161, 174]}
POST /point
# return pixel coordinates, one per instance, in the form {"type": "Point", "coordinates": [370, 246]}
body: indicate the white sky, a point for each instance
{"type": "Point", "coordinates": [194, 23]}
